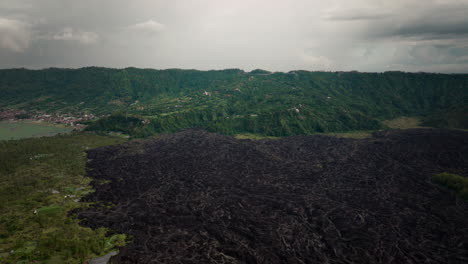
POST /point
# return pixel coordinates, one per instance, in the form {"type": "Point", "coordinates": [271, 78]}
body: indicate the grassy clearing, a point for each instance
{"type": "Point", "coordinates": [404, 123]}
{"type": "Point", "coordinates": [41, 179]}
{"type": "Point", "coordinates": [253, 136]}
{"type": "Point", "coordinates": [26, 129]}
{"type": "Point", "coordinates": [352, 134]}
{"type": "Point", "coordinates": [397, 123]}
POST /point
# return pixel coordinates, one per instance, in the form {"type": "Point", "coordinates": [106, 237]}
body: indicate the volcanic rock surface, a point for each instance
{"type": "Point", "coordinates": [197, 197]}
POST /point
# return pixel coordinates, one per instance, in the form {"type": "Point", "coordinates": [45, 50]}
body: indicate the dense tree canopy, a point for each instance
{"type": "Point", "coordinates": [232, 101]}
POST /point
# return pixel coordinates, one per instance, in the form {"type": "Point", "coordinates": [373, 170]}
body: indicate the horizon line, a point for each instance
{"type": "Point", "coordinates": [237, 69]}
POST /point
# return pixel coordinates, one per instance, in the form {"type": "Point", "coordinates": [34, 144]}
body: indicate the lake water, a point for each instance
{"type": "Point", "coordinates": [25, 129]}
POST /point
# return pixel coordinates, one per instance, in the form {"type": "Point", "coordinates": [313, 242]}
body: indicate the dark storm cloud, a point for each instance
{"type": "Point", "coordinates": [438, 22]}
{"type": "Point", "coordinates": [366, 35]}
{"type": "Point", "coordinates": [356, 13]}
{"type": "Point", "coordinates": [436, 30]}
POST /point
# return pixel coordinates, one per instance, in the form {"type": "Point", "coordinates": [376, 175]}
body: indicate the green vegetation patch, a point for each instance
{"type": "Point", "coordinates": [49, 211]}
{"type": "Point", "coordinates": [455, 117]}
{"type": "Point", "coordinates": [403, 122]}
{"type": "Point", "coordinates": [253, 136]}
{"type": "Point", "coordinates": [352, 134]}
{"type": "Point", "coordinates": [41, 180]}
{"type": "Point", "coordinates": [120, 124]}
{"type": "Point", "coordinates": [454, 182]}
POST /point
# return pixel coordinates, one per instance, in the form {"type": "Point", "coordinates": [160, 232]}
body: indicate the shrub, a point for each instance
{"type": "Point", "coordinates": [454, 182]}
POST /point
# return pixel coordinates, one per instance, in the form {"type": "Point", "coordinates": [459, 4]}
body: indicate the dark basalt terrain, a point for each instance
{"type": "Point", "coordinates": [197, 197]}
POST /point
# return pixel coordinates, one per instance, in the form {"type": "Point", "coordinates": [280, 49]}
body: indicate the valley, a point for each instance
{"type": "Point", "coordinates": [228, 166]}
{"type": "Point", "coordinates": [234, 132]}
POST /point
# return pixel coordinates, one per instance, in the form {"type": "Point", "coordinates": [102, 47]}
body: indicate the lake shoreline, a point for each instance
{"type": "Point", "coordinates": [18, 129]}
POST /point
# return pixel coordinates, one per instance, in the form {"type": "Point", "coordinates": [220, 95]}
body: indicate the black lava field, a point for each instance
{"type": "Point", "coordinates": [198, 197]}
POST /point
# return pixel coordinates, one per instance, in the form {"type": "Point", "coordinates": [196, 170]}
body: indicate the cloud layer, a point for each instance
{"type": "Point", "coordinates": [15, 36]}
{"type": "Point", "coordinates": [69, 34]}
{"type": "Point", "coordinates": [149, 27]}
{"type": "Point", "coordinates": [364, 35]}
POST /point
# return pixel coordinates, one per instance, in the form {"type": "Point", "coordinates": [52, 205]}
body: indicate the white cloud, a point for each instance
{"type": "Point", "coordinates": [83, 37]}
{"type": "Point", "coordinates": [318, 62]}
{"type": "Point", "coordinates": [150, 27]}
{"type": "Point", "coordinates": [15, 35]}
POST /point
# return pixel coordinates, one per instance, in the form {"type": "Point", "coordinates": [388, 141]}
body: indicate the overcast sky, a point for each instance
{"type": "Point", "coordinates": [277, 35]}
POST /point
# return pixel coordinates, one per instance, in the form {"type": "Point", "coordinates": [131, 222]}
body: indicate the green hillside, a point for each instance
{"type": "Point", "coordinates": [233, 101]}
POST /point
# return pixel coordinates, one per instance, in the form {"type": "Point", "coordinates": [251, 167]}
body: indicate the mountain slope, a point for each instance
{"type": "Point", "coordinates": [234, 101]}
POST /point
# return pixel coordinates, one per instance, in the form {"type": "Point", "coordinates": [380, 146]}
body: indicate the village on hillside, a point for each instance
{"type": "Point", "coordinates": [75, 121]}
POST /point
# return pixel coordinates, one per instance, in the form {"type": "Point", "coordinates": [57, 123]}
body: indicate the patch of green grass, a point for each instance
{"type": "Point", "coordinates": [253, 136]}
{"type": "Point", "coordinates": [403, 123]}
{"type": "Point", "coordinates": [49, 211]}
{"type": "Point", "coordinates": [41, 180]}
{"type": "Point", "coordinates": [352, 134]}
{"type": "Point", "coordinates": [26, 129]}
{"type": "Point", "coordinates": [454, 182]}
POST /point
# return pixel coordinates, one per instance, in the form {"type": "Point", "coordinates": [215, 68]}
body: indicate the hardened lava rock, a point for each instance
{"type": "Point", "coordinates": [198, 197]}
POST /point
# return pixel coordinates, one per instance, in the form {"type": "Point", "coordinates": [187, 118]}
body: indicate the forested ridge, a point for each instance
{"type": "Point", "coordinates": [233, 101]}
